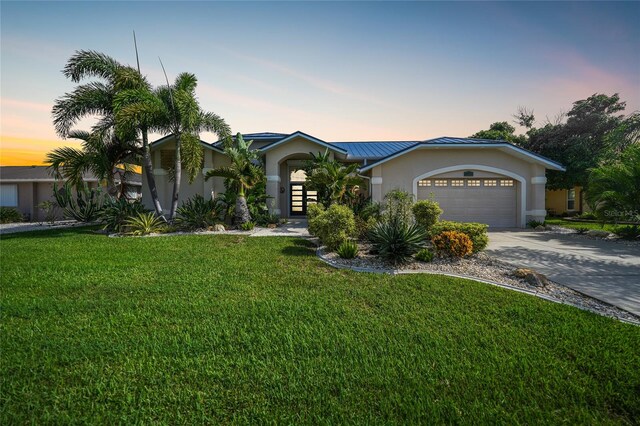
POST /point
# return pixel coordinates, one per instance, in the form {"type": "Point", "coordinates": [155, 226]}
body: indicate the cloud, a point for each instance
{"type": "Point", "coordinates": [18, 104]}
{"type": "Point", "coordinates": [313, 81]}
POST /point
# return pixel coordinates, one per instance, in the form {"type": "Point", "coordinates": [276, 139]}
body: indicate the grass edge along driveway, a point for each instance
{"type": "Point", "coordinates": [230, 329]}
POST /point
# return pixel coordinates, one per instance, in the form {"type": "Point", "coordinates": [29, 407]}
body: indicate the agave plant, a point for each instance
{"type": "Point", "coordinates": [396, 241]}
{"type": "Point", "coordinates": [198, 213]}
{"type": "Point", "coordinates": [144, 223]}
{"type": "Point", "coordinates": [116, 212]}
{"type": "Point", "coordinates": [86, 205]}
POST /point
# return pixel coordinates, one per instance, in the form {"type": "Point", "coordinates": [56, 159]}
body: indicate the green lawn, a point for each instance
{"type": "Point", "coordinates": [571, 224]}
{"type": "Point", "coordinates": [224, 329]}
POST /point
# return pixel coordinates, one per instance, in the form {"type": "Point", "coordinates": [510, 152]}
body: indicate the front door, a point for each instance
{"type": "Point", "coordinates": [299, 198]}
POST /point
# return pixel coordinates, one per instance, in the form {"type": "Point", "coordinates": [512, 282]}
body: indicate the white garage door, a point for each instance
{"type": "Point", "coordinates": [490, 201]}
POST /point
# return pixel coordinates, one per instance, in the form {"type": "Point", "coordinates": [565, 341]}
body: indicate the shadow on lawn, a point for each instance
{"type": "Point", "coordinates": [300, 247]}
{"type": "Point", "coordinates": [52, 233]}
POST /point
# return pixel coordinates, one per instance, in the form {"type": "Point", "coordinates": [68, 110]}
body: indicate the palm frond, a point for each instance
{"type": "Point", "coordinates": [87, 99]}
{"type": "Point", "coordinates": [88, 63]}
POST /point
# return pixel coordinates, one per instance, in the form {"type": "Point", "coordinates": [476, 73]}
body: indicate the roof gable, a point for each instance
{"type": "Point", "coordinates": [469, 143]}
{"type": "Point", "coordinates": [299, 134]}
{"type": "Point", "coordinates": [157, 143]}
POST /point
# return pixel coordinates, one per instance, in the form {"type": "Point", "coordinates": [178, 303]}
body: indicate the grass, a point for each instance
{"type": "Point", "coordinates": [230, 329]}
{"type": "Point", "coordinates": [570, 224]}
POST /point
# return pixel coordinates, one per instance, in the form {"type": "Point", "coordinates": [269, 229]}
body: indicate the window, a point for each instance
{"type": "Point", "coordinates": [9, 195]}
{"type": "Point", "coordinates": [473, 182]}
{"type": "Point", "coordinates": [441, 182]}
{"type": "Point", "coordinates": [297, 176]}
{"type": "Point", "coordinates": [424, 182]}
{"type": "Point", "coordinates": [457, 182]}
{"type": "Point", "coordinates": [571, 199]}
{"type": "Point", "coordinates": [490, 182]}
{"type": "Point", "coordinates": [167, 159]}
{"type": "Point", "coordinates": [506, 182]}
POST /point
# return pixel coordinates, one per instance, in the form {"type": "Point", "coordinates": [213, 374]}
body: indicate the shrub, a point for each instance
{"type": "Point", "coordinates": [426, 213]}
{"type": "Point", "coordinates": [588, 215]}
{"type": "Point", "coordinates": [247, 226]}
{"type": "Point", "coordinates": [366, 208]}
{"type": "Point", "coordinates": [49, 208]}
{"type": "Point", "coordinates": [396, 241]}
{"type": "Point", "coordinates": [9, 215]}
{"type": "Point", "coordinates": [348, 249]}
{"type": "Point", "coordinates": [198, 213]}
{"type": "Point", "coordinates": [145, 223]}
{"type": "Point", "coordinates": [534, 224]}
{"type": "Point", "coordinates": [333, 226]}
{"type": "Point", "coordinates": [453, 243]}
{"type": "Point", "coordinates": [86, 205]}
{"type": "Point", "coordinates": [398, 207]}
{"type": "Point", "coordinates": [364, 227]}
{"type": "Point", "coordinates": [477, 232]}
{"type": "Point", "coordinates": [424, 255]}
{"type": "Point", "coordinates": [314, 210]}
{"type": "Point", "coordinates": [117, 211]}
{"type": "Point", "coordinates": [628, 232]}
{"type": "Point", "coordinates": [267, 219]}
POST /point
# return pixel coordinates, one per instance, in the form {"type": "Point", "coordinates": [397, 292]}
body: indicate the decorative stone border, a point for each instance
{"type": "Point", "coordinates": [320, 255]}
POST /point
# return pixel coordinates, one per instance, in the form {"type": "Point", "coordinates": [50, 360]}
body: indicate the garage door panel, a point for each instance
{"type": "Point", "coordinates": [495, 206]}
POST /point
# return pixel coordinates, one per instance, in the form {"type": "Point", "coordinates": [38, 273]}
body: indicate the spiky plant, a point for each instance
{"type": "Point", "coordinates": [144, 224]}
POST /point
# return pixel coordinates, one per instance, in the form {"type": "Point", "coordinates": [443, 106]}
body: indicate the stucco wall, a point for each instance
{"type": "Point", "coordinates": [277, 171]}
{"type": "Point", "coordinates": [400, 172]}
{"type": "Point", "coordinates": [207, 189]}
{"type": "Point", "coordinates": [556, 201]}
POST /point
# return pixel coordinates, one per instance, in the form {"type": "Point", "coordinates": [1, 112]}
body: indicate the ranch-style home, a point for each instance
{"type": "Point", "coordinates": [474, 180]}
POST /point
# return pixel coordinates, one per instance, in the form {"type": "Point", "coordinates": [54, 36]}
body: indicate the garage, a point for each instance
{"type": "Point", "coordinates": [492, 200]}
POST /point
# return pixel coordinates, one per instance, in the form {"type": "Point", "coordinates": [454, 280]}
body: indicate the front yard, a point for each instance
{"type": "Point", "coordinates": [193, 329]}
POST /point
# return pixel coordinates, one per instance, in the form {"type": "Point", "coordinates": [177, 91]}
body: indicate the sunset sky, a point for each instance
{"type": "Point", "coordinates": [339, 71]}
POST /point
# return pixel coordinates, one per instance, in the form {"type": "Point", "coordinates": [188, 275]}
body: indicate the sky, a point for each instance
{"type": "Point", "coordinates": [345, 71]}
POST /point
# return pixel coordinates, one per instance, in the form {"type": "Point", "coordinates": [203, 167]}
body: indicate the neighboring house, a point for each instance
{"type": "Point", "coordinates": [25, 187]}
{"type": "Point", "coordinates": [487, 181]}
{"type": "Point", "coordinates": [566, 201]}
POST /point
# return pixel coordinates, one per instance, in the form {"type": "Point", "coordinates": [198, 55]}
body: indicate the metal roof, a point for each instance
{"type": "Point", "coordinates": [372, 150]}
{"type": "Point", "coordinates": [461, 141]}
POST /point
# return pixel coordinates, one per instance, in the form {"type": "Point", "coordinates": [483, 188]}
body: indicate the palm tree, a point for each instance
{"type": "Point", "coordinates": [613, 187]}
{"type": "Point", "coordinates": [174, 109]}
{"type": "Point", "coordinates": [97, 98]}
{"type": "Point", "coordinates": [243, 173]}
{"type": "Point", "coordinates": [333, 181]}
{"type": "Point", "coordinates": [101, 154]}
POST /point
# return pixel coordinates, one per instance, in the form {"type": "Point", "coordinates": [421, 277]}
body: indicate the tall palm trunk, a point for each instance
{"type": "Point", "coordinates": [176, 180]}
{"type": "Point", "coordinates": [148, 170]}
{"type": "Point", "coordinates": [242, 211]}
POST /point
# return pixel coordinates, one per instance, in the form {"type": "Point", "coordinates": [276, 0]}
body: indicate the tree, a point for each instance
{"type": "Point", "coordinates": [180, 115]}
{"type": "Point", "coordinates": [101, 154]}
{"type": "Point", "coordinates": [97, 98]}
{"type": "Point", "coordinates": [333, 181]}
{"type": "Point", "coordinates": [613, 187]}
{"type": "Point", "coordinates": [242, 173]}
{"type": "Point", "coordinates": [579, 144]}
{"type": "Point", "coordinates": [500, 131]}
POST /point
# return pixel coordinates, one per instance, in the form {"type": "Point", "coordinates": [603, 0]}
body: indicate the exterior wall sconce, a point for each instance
{"type": "Point", "coordinates": [282, 189]}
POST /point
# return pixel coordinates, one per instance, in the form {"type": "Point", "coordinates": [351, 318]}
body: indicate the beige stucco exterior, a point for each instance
{"type": "Point", "coordinates": [402, 171]}
{"type": "Point", "coordinates": [32, 193]}
{"type": "Point", "coordinates": [405, 170]}
{"type": "Point", "coordinates": [207, 188]}
{"type": "Point", "coordinates": [557, 201]}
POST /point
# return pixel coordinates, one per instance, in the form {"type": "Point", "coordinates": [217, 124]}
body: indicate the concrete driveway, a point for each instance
{"type": "Point", "coordinates": [606, 270]}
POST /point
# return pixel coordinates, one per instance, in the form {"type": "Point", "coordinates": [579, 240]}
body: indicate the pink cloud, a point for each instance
{"type": "Point", "coordinates": [18, 104]}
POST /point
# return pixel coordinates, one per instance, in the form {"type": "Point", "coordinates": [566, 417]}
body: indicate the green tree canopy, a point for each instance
{"type": "Point", "coordinates": [500, 131]}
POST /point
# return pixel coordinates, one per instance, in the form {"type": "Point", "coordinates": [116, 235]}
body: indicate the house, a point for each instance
{"type": "Point", "coordinates": [480, 180]}
{"type": "Point", "coordinates": [25, 187]}
{"type": "Point", "coordinates": [566, 201]}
